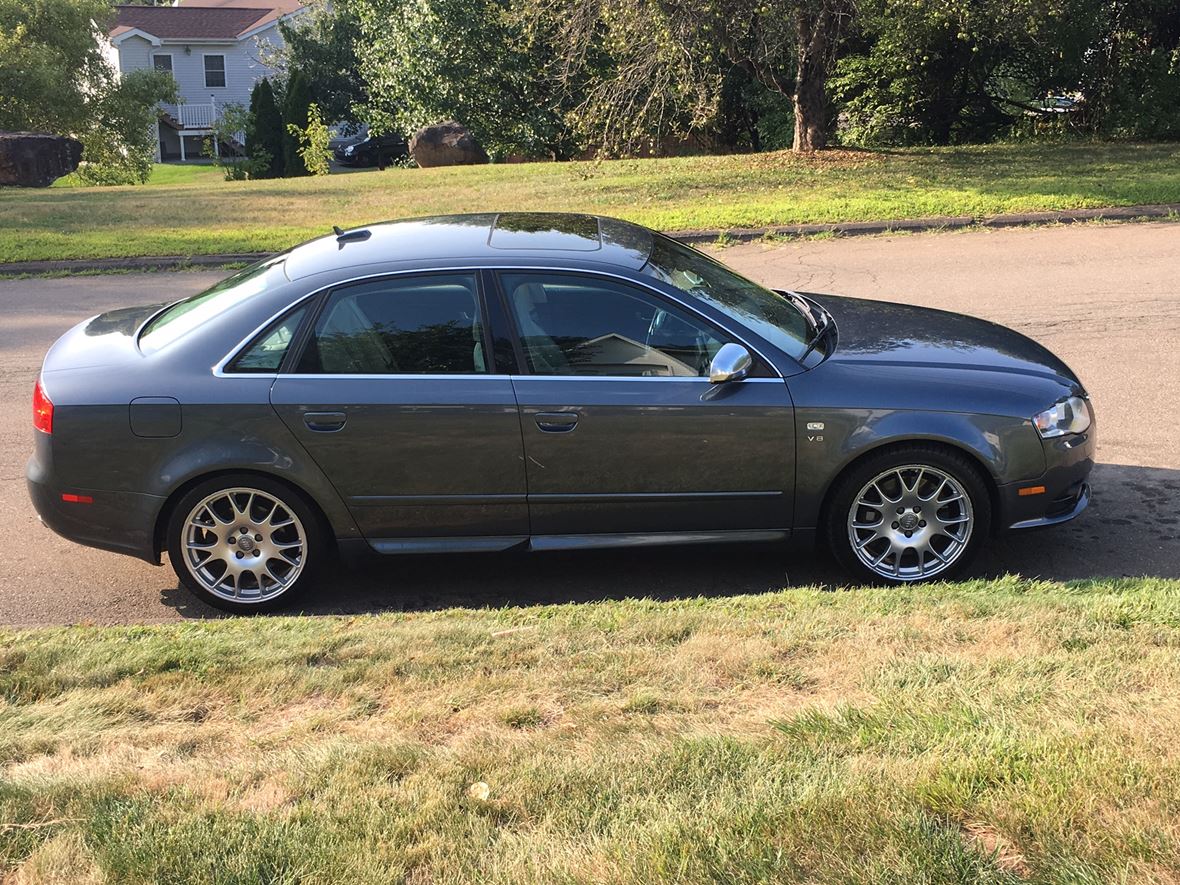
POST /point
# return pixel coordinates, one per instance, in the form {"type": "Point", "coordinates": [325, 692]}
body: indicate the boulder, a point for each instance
{"type": "Point", "coordinates": [35, 159]}
{"type": "Point", "coordinates": [446, 144]}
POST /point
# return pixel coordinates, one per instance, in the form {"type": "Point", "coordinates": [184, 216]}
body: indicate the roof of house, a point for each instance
{"type": "Point", "coordinates": [196, 22]}
{"type": "Point", "coordinates": [278, 8]}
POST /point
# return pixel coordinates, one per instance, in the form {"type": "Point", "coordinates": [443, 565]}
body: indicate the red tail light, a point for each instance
{"type": "Point", "coordinates": [42, 409]}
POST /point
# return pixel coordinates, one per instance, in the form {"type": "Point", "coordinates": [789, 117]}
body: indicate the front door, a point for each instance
{"type": "Point", "coordinates": [624, 433]}
{"type": "Point", "coordinates": [395, 398]}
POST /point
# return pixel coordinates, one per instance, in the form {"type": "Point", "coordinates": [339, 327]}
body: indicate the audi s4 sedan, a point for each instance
{"type": "Point", "coordinates": [542, 382]}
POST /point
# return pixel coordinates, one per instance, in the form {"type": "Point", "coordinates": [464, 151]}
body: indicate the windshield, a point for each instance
{"type": "Point", "coordinates": [182, 317]}
{"type": "Point", "coordinates": [755, 307]}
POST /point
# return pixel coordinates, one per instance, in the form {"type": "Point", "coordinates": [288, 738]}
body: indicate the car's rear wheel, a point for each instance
{"type": "Point", "coordinates": [912, 513]}
{"type": "Point", "coordinates": [244, 543]}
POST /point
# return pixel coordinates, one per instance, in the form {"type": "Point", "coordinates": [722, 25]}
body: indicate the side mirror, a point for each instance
{"type": "Point", "coordinates": [732, 363]}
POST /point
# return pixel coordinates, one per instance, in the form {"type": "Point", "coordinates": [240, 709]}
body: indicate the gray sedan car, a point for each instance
{"type": "Point", "coordinates": [543, 382]}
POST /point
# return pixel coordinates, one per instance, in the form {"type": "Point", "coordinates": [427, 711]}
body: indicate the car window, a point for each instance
{"type": "Point", "coordinates": [182, 317]}
{"type": "Point", "coordinates": [757, 308]}
{"type": "Point", "coordinates": [580, 325]}
{"type": "Point", "coordinates": [266, 352]}
{"type": "Point", "coordinates": [421, 325]}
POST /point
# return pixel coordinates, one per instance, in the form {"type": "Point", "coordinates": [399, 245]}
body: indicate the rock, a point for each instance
{"type": "Point", "coordinates": [446, 144]}
{"type": "Point", "coordinates": [35, 159]}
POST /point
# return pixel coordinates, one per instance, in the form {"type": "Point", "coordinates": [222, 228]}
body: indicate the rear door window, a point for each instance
{"type": "Point", "coordinates": [419, 325]}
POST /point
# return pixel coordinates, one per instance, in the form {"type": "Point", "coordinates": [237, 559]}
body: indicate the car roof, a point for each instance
{"type": "Point", "coordinates": [484, 237]}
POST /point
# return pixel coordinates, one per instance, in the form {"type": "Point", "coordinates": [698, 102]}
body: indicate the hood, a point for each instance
{"type": "Point", "coordinates": [100, 342]}
{"type": "Point", "coordinates": [884, 334]}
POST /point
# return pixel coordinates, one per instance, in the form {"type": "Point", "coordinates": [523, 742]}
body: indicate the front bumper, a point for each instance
{"type": "Point", "coordinates": [1069, 460]}
{"type": "Point", "coordinates": [122, 522]}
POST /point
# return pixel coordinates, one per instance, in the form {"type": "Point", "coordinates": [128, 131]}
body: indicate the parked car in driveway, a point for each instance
{"type": "Point", "coordinates": [542, 382]}
{"type": "Point", "coordinates": [372, 150]}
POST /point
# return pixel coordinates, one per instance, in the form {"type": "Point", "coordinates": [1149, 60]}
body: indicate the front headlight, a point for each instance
{"type": "Point", "coordinates": [350, 149]}
{"type": "Point", "coordinates": [1068, 416]}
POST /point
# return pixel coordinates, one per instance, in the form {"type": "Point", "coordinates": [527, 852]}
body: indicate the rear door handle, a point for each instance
{"type": "Point", "coordinates": [324, 422]}
{"type": "Point", "coordinates": [556, 422]}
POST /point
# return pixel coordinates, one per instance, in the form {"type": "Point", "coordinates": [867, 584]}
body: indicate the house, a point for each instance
{"type": "Point", "coordinates": [216, 49]}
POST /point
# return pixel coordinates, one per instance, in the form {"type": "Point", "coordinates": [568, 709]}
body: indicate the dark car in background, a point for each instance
{"type": "Point", "coordinates": [541, 382]}
{"type": "Point", "coordinates": [372, 150]}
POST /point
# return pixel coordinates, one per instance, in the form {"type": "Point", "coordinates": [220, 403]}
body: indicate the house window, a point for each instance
{"type": "Point", "coordinates": [162, 63]}
{"type": "Point", "coordinates": [214, 71]}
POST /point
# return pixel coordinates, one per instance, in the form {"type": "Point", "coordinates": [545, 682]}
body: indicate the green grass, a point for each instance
{"type": "Point", "coordinates": [206, 215]}
{"type": "Point", "coordinates": [163, 174]}
{"type": "Point", "coordinates": [986, 732]}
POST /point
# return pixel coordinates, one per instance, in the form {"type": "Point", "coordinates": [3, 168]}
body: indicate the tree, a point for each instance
{"type": "Point", "coordinates": [321, 42]}
{"type": "Point", "coordinates": [313, 142]}
{"type": "Point", "coordinates": [296, 101]}
{"type": "Point", "coordinates": [469, 60]}
{"type": "Point", "coordinates": [673, 55]}
{"type": "Point", "coordinates": [265, 134]}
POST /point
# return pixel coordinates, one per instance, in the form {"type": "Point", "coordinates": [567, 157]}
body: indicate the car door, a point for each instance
{"type": "Point", "coordinates": [395, 398]}
{"type": "Point", "coordinates": [623, 431]}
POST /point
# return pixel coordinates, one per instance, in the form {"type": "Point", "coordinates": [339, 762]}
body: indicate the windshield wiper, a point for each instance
{"type": "Point", "coordinates": [821, 333]}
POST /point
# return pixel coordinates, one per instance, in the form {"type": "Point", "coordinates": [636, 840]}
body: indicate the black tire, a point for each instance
{"type": "Point", "coordinates": [838, 532]}
{"type": "Point", "coordinates": [258, 594]}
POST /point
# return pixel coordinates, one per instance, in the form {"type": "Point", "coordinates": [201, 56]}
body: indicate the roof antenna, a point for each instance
{"type": "Point", "coordinates": [336, 229]}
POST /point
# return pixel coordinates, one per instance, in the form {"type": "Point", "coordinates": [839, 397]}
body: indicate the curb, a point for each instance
{"type": "Point", "coordinates": [731, 235]}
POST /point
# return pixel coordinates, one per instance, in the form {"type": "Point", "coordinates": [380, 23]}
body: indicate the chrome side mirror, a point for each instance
{"type": "Point", "coordinates": [732, 363]}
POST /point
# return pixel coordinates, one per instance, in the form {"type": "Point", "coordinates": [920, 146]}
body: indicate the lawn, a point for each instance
{"type": "Point", "coordinates": [165, 174]}
{"type": "Point", "coordinates": [205, 215]}
{"type": "Point", "coordinates": [990, 732]}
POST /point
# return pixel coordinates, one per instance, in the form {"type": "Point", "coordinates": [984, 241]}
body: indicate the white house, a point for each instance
{"type": "Point", "coordinates": [216, 50]}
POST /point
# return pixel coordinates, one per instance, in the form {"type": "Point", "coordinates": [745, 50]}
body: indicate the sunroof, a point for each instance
{"type": "Point", "coordinates": [545, 230]}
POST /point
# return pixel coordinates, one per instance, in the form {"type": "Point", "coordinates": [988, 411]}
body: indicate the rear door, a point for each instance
{"type": "Point", "coordinates": [623, 431]}
{"type": "Point", "coordinates": [396, 398]}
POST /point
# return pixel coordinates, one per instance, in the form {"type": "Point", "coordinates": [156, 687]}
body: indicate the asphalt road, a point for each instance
{"type": "Point", "coordinates": [1104, 297]}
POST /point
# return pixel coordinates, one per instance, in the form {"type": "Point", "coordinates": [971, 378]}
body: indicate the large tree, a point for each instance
{"type": "Point", "coordinates": [322, 43]}
{"type": "Point", "coordinates": [55, 78]}
{"type": "Point", "coordinates": [668, 58]}
{"type": "Point", "coordinates": [266, 132]}
{"type": "Point", "coordinates": [470, 60]}
{"type": "Point", "coordinates": [296, 101]}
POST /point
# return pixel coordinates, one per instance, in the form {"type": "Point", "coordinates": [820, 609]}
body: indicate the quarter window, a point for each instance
{"type": "Point", "coordinates": [214, 71]}
{"type": "Point", "coordinates": [422, 325]}
{"type": "Point", "coordinates": [266, 353]}
{"type": "Point", "coordinates": [580, 325]}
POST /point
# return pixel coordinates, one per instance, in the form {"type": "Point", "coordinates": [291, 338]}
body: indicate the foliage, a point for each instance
{"type": "Point", "coordinates": [296, 101]}
{"type": "Point", "coordinates": [321, 42]}
{"type": "Point", "coordinates": [265, 132]}
{"type": "Point", "coordinates": [232, 121]}
{"type": "Point", "coordinates": [426, 61]}
{"type": "Point", "coordinates": [313, 142]}
{"type": "Point", "coordinates": [54, 78]}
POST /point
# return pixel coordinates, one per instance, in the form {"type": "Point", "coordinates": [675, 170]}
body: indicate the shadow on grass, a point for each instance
{"type": "Point", "coordinates": [1132, 528]}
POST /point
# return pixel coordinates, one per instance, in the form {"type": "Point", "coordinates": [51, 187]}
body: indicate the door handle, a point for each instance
{"type": "Point", "coordinates": [556, 422]}
{"type": "Point", "coordinates": [324, 422]}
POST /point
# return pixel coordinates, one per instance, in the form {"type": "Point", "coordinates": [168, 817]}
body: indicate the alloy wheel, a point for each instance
{"type": "Point", "coordinates": [244, 545]}
{"type": "Point", "coordinates": [910, 523]}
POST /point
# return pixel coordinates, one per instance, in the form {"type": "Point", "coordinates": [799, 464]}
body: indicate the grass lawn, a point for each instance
{"type": "Point", "coordinates": [990, 732]}
{"type": "Point", "coordinates": [165, 174]}
{"type": "Point", "coordinates": [205, 215]}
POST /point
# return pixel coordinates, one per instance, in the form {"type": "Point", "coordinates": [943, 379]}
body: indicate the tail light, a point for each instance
{"type": "Point", "coordinates": [42, 409]}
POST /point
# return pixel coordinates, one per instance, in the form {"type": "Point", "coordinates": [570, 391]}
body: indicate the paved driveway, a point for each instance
{"type": "Point", "coordinates": [1106, 298]}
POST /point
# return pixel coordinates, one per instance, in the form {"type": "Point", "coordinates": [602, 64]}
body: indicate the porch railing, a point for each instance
{"type": "Point", "coordinates": [193, 115]}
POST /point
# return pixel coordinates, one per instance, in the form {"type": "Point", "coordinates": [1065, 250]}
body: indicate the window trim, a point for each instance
{"type": "Point", "coordinates": [205, 56]}
{"type": "Point", "coordinates": [490, 271]}
{"type": "Point", "coordinates": [171, 62]}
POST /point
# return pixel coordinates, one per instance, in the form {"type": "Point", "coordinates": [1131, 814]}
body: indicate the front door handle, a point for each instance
{"type": "Point", "coordinates": [556, 422]}
{"type": "Point", "coordinates": [324, 422]}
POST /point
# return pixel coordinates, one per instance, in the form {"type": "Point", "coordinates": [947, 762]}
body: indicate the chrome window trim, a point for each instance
{"type": "Point", "coordinates": [219, 367]}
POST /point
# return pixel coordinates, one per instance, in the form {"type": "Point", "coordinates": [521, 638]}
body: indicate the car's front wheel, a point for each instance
{"type": "Point", "coordinates": [244, 543]}
{"type": "Point", "coordinates": [911, 513]}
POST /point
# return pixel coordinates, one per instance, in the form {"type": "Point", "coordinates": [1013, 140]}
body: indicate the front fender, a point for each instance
{"type": "Point", "coordinates": [1007, 448]}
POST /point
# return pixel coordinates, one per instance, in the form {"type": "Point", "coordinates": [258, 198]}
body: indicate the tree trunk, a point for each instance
{"type": "Point", "coordinates": [810, 98]}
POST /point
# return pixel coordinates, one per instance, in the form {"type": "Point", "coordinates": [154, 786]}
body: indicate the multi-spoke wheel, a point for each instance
{"type": "Point", "coordinates": [909, 514]}
{"type": "Point", "coordinates": [244, 545]}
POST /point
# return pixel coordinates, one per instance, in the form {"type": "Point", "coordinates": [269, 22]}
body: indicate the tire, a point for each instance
{"type": "Point", "coordinates": [940, 497]}
{"type": "Point", "coordinates": [269, 566]}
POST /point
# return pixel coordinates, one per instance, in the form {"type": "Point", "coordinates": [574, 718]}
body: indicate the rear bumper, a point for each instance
{"type": "Point", "coordinates": [1066, 492]}
{"type": "Point", "coordinates": [122, 522]}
